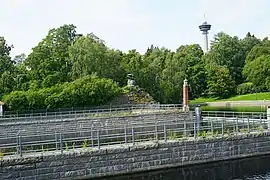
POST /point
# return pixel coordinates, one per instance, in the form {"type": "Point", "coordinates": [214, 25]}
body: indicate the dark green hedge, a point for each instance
{"type": "Point", "coordinates": [87, 91]}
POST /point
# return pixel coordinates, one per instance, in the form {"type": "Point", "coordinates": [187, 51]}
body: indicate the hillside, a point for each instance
{"type": "Point", "coordinates": [246, 97]}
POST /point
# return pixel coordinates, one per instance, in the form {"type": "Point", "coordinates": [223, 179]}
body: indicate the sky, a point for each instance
{"type": "Point", "coordinates": [132, 24]}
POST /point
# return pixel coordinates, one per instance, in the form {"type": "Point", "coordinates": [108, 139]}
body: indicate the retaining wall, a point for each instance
{"type": "Point", "coordinates": [89, 163]}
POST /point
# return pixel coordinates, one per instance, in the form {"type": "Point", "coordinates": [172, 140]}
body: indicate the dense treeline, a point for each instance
{"type": "Point", "coordinates": [68, 69]}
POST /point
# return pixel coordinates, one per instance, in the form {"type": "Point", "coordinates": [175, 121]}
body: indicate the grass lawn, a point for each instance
{"type": "Point", "coordinates": [247, 97]}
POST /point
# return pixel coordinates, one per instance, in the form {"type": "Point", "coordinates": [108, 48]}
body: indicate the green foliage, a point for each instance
{"type": "Point", "coordinates": [227, 52]}
{"type": "Point", "coordinates": [1, 155]}
{"type": "Point", "coordinates": [174, 135]}
{"type": "Point", "coordinates": [202, 100]}
{"type": "Point", "coordinates": [51, 55]}
{"type": "Point", "coordinates": [67, 148]}
{"type": "Point", "coordinates": [204, 134]}
{"type": "Point", "coordinates": [87, 91]}
{"type": "Point", "coordinates": [85, 144]}
{"type": "Point", "coordinates": [246, 97]}
{"type": "Point", "coordinates": [92, 51]}
{"type": "Point", "coordinates": [243, 130]}
{"type": "Point", "coordinates": [219, 81]}
{"type": "Point", "coordinates": [185, 63]}
{"type": "Point", "coordinates": [246, 88]}
{"type": "Point", "coordinates": [257, 71]}
{"type": "Point", "coordinates": [260, 128]}
{"type": "Point", "coordinates": [60, 71]}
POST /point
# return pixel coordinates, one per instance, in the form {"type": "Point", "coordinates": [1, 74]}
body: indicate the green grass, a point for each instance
{"type": "Point", "coordinates": [203, 100]}
{"type": "Point", "coordinates": [247, 97]}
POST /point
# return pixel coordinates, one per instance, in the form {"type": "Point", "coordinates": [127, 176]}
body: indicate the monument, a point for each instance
{"type": "Point", "coordinates": [185, 96]}
{"type": "Point", "coordinates": [1, 108]}
{"type": "Point", "coordinates": [131, 82]}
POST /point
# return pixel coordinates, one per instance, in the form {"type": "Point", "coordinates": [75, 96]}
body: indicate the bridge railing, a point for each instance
{"type": "Point", "coordinates": [99, 137]}
{"type": "Point", "coordinates": [84, 113]}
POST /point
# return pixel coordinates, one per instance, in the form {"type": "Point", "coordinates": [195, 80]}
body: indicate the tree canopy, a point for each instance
{"type": "Point", "coordinates": [68, 69]}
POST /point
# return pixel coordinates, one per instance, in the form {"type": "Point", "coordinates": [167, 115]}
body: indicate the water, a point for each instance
{"type": "Point", "coordinates": [246, 169]}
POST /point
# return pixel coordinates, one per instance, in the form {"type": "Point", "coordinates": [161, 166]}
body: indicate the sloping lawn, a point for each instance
{"type": "Point", "coordinates": [247, 97]}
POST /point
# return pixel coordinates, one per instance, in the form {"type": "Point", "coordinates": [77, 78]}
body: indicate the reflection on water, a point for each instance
{"type": "Point", "coordinates": [245, 169]}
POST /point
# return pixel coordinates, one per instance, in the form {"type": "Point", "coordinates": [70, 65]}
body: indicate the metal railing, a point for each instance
{"type": "Point", "coordinates": [83, 113]}
{"type": "Point", "coordinates": [97, 137]}
{"type": "Point", "coordinates": [231, 114]}
{"type": "Point", "coordinates": [77, 125]}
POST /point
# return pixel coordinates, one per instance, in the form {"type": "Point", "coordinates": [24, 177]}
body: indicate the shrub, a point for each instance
{"type": "Point", "coordinates": [87, 91]}
{"type": "Point", "coordinates": [247, 88]}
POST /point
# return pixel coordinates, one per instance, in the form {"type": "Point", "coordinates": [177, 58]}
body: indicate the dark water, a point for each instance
{"type": "Point", "coordinates": [245, 169]}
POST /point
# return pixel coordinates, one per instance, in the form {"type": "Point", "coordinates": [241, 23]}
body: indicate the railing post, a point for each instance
{"type": "Point", "coordinates": [125, 131]}
{"type": "Point", "coordinates": [98, 139]}
{"type": "Point", "coordinates": [185, 128]}
{"type": "Point", "coordinates": [156, 130]}
{"type": "Point", "coordinates": [248, 125]}
{"type": "Point", "coordinates": [133, 139]}
{"type": "Point", "coordinates": [56, 141]}
{"type": "Point", "coordinates": [19, 144]}
{"type": "Point", "coordinates": [92, 136]}
{"type": "Point", "coordinates": [61, 142]}
{"type": "Point", "coordinates": [237, 128]}
{"type": "Point", "coordinates": [195, 132]}
{"type": "Point", "coordinates": [222, 127]}
{"type": "Point", "coordinates": [212, 127]}
{"type": "Point", "coordinates": [165, 133]}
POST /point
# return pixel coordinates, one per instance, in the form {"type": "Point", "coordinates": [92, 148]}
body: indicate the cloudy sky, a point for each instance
{"type": "Point", "coordinates": [131, 24]}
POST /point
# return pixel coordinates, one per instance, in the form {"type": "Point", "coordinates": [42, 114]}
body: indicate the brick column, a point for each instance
{"type": "Point", "coordinates": [185, 96]}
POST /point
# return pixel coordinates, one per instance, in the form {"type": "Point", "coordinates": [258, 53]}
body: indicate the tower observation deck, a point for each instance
{"type": "Point", "coordinates": [205, 27]}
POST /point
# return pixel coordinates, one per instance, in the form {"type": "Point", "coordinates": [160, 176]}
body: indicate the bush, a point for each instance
{"type": "Point", "coordinates": [87, 91]}
{"type": "Point", "coordinates": [247, 88]}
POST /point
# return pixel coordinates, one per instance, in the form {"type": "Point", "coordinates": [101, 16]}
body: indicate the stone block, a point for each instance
{"type": "Point", "coordinates": [10, 175]}
{"type": "Point", "coordinates": [26, 173]}
{"type": "Point", "coordinates": [48, 176]}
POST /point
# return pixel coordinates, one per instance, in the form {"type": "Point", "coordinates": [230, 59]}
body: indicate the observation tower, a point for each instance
{"type": "Point", "coordinates": [205, 27]}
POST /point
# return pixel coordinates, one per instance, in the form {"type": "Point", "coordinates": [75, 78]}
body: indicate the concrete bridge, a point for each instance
{"type": "Point", "coordinates": [147, 139]}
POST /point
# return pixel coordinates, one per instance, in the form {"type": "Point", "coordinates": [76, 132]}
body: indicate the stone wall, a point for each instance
{"type": "Point", "coordinates": [89, 163]}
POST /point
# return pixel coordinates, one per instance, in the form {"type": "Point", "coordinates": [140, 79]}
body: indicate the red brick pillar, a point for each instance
{"type": "Point", "coordinates": [185, 96]}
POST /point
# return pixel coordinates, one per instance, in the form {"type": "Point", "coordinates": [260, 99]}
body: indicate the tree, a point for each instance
{"type": "Point", "coordinates": [51, 55]}
{"type": "Point", "coordinates": [185, 63]}
{"type": "Point", "coordinates": [132, 63]}
{"type": "Point", "coordinates": [6, 64]}
{"type": "Point", "coordinates": [227, 51]}
{"type": "Point", "coordinates": [89, 55]}
{"type": "Point", "coordinates": [219, 81]}
{"type": "Point", "coordinates": [259, 50]}
{"type": "Point", "coordinates": [258, 72]}
{"type": "Point", "coordinates": [6, 68]}
{"type": "Point", "coordinates": [153, 64]}
{"type": "Point", "coordinates": [249, 42]}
